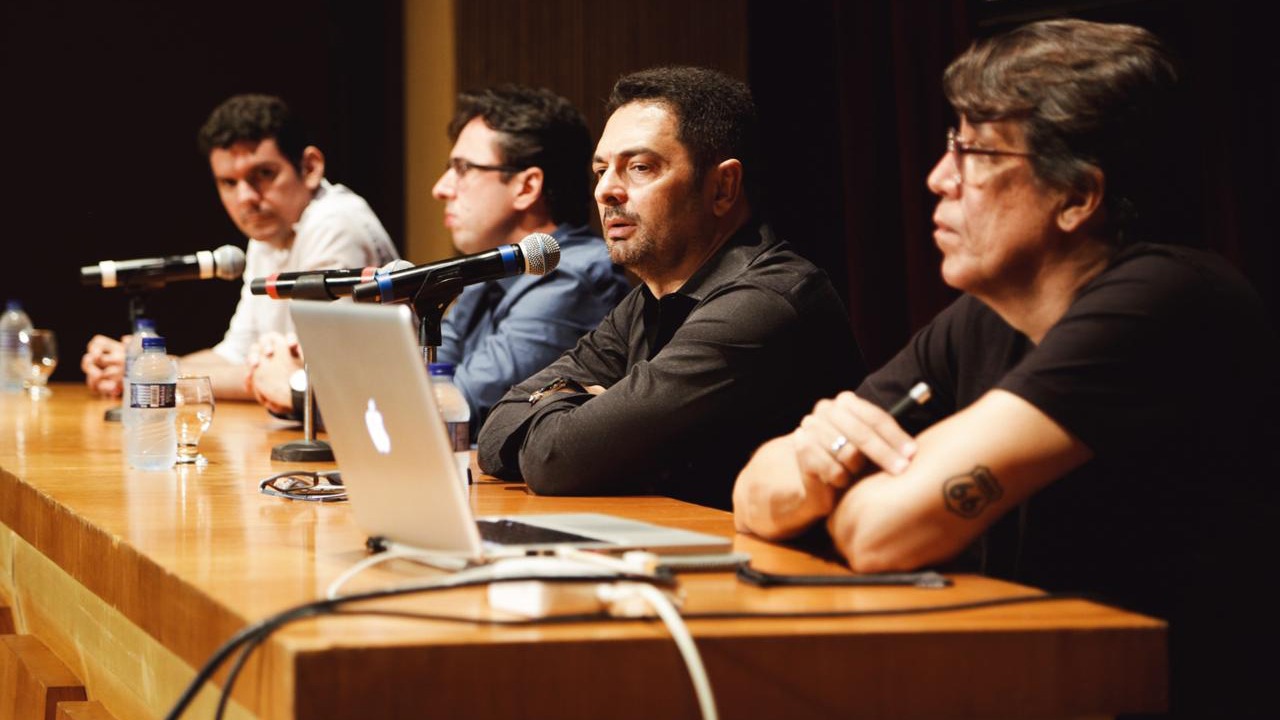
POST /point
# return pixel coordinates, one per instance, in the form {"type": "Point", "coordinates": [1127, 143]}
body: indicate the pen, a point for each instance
{"type": "Point", "coordinates": [918, 395]}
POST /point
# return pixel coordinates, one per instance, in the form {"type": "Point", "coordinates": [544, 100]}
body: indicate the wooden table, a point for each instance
{"type": "Point", "coordinates": [135, 578]}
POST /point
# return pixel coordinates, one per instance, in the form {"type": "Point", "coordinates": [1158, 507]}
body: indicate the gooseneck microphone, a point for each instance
{"type": "Point", "coordinates": [227, 262]}
{"type": "Point", "coordinates": [319, 284]}
{"type": "Point", "coordinates": [537, 254]}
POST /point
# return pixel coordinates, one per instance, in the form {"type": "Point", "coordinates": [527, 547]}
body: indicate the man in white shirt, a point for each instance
{"type": "Point", "coordinates": [271, 182]}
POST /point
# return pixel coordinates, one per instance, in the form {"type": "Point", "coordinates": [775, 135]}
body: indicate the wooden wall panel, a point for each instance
{"type": "Point", "coordinates": [578, 48]}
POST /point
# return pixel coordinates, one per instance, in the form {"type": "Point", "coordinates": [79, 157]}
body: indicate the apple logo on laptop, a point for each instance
{"type": "Point", "coordinates": [377, 430]}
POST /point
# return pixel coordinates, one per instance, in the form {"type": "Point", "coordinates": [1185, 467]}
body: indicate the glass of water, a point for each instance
{"type": "Point", "coordinates": [194, 401]}
{"type": "Point", "coordinates": [44, 358]}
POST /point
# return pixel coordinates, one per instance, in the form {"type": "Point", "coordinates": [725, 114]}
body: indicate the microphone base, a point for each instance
{"type": "Point", "coordinates": [303, 451]}
{"type": "Point", "coordinates": [115, 414]}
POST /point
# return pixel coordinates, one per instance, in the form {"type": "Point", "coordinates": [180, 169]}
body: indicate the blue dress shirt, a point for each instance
{"type": "Point", "coordinates": [500, 332]}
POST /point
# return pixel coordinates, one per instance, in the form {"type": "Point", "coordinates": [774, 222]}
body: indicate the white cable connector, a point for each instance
{"type": "Point", "coordinates": [538, 599]}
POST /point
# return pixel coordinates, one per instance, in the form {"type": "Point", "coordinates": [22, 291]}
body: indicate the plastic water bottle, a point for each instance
{"type": "Point", "coordinates": [457, 415]}
{"type": "Point", "coordinates": [150, 440]}
{"type": "Point", "coordinates": [142, 328]}
{"type": "Point", "coordinates": [15, 355]}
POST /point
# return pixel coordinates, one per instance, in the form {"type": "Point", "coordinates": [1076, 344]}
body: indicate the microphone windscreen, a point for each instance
{"type": "Point", "coordinates": [228, 262]}
{"type": "Point", "coordinates": [541, 253]}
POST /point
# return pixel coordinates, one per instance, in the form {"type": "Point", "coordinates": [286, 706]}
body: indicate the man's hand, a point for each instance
{"type": "Point", "coordinates": [103, 365]}
{"type": "Point", "coordinates": [797, 479]}
{"type": "Point", "coordinates": [773, 499]}
{"type": "Point", "coordinates": [836, 441]}
{"type": "Point", "coordinates": [271, 361]}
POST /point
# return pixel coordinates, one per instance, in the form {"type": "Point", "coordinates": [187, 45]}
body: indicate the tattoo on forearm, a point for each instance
{"type": "Point", "coordinates": [969, 494]}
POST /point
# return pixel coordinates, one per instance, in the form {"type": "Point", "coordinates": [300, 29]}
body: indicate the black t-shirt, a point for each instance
{"type": "Point", "coordinates": [1165, 366]}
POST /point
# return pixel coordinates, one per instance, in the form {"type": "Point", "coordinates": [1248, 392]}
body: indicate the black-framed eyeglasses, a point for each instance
{"type": "Point", "coordinates": [323, 486]}
{"type": "Point", "coordinates": [963, 149]}
{"type": "Point", "coordinates": [462, 166]}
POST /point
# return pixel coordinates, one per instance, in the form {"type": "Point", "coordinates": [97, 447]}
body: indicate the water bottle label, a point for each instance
{"type": "Point", "coordinates": [459, 436]}
{"type": "Point", "coordinates": [152, 395]}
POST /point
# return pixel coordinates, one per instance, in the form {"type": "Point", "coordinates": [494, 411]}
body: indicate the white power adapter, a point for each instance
{"type": "Point", "coordinates": [543, 598]}
{"type": "Point", "coordinates": [540, 599]}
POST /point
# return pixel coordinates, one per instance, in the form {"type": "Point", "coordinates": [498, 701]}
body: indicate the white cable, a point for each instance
{"type": "Point", "coordinates": [394, 552]}
{"type": "Point", "coordinates": [679, 632]}
{"type": "Point", "coordinates": [331, 592]}
{"type": "Point", "coordinates": [537, 566]}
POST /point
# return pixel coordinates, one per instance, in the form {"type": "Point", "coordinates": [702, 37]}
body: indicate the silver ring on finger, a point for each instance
{"type": "Point", "coordinates": [837, 445]}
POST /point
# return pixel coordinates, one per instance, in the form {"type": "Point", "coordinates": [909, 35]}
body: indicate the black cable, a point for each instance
{"type": "Point", "coordinates": [715, 615]}
{"type": "Point", "coordinates": [269, 625]}
{"type": "Point", "coordinates": [884, 612]}
{"type": "Point", "coordinates": [220, 655]}
{"type": "Point", "coordinates": [243, 657]}
{"type": "Point", "coordinates": [256, 634]}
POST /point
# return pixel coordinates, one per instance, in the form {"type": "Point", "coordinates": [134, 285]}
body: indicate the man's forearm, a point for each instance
{"type": "Point", "coordinates": [227, 378]}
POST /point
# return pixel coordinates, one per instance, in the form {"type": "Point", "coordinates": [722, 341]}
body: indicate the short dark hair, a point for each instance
{"type": "Point", "coordinates": [715, 116]}
{"type": "Point", "coordinates": [1087, 94]}
{"type": "Point", "coordinates": [254, 118]}
{"type": "Point", "coordinates": [536, 128]}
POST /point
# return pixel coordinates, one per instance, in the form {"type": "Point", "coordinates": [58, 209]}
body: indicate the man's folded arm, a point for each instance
{"type": "Point", "coordinates": [580, 444]}
{"type": "Point", "coordinates": [546, 319]}
{"type": "Point", "coordinates": [962, 479]}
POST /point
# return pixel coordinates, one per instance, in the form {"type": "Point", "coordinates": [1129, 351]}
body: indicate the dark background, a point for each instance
{"type": "Point", "coordinates": [101, 102]}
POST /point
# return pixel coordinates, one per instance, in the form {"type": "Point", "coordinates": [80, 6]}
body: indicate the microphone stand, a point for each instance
{"type": "Point", "coordinates": [137, 295]}
{"type": "Point", "coordinates": [430, 311]}
{"type": "Point", "coordinates": [308, 449]}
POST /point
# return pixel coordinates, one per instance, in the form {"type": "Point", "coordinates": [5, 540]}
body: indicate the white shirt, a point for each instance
{"type": "Point", "coordinates": [337, 230]}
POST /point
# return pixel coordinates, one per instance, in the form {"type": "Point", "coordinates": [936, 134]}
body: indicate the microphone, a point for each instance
{"type": "Point", "coordinates": [537, 254]}
{"type": "Point", "coordinates": [319, 284]}
{"type": "Point", "coordinates": [227, 262]}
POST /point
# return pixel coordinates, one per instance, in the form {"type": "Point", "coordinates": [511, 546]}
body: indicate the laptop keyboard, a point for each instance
{"type": "Point", "coordinates": [511, 532]}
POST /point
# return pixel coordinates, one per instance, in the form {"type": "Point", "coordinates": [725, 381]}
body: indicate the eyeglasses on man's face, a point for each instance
{"type": "Point", "coordinates": [325, 486]}
{"type": "Point", "coordinates": [462, 166]}
{"type": "Point", "coordinates": [969, 158]}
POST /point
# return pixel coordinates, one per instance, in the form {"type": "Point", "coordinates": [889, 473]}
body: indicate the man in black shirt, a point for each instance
{"type": "Point", "coordinates": [1103, 411]}
{"type": "Point", "coordinates": [728, 339]}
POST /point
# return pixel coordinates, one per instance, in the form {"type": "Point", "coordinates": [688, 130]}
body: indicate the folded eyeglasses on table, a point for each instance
{"type": "Point", "coordinates": [315, 486]}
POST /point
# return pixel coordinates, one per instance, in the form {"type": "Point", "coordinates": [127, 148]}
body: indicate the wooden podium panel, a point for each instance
{"type": "Point", "coordinates": [134, 578]}
{"type": "Point", "coordinates": [33, 680]}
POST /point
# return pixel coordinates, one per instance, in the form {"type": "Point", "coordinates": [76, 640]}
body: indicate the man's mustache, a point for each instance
{"type": "Point", "coordinates": [617, 213]}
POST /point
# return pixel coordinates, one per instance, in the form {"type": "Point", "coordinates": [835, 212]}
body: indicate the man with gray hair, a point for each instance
{"type": "Point", "coordinates": [1102, 416]}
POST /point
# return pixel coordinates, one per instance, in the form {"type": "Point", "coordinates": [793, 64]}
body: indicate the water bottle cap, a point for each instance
{"type": "Point", "coordinates": [145, 324]}
{"type": "Point", "coordinates": [441, 368]}
{"type": "Point", "coordinates": [152, 342]}
{"type": "Point", "coordinates": [13, 306]}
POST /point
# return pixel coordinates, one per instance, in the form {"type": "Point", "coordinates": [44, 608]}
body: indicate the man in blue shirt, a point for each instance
{"type": "Point", "coordinates": [520, 164]}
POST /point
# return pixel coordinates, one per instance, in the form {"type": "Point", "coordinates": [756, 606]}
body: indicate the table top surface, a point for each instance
{"type": "Point", "coordinates": [218, 549]}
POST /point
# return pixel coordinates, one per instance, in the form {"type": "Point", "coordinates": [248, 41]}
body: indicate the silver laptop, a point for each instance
{"type": "Point", "coordinates": [397, 462]}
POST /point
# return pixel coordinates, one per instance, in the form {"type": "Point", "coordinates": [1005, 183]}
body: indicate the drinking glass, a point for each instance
{"type": "Point", "coordinates": [194, 400]}
{"type": "Point", "coordinates": [44, 358]}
